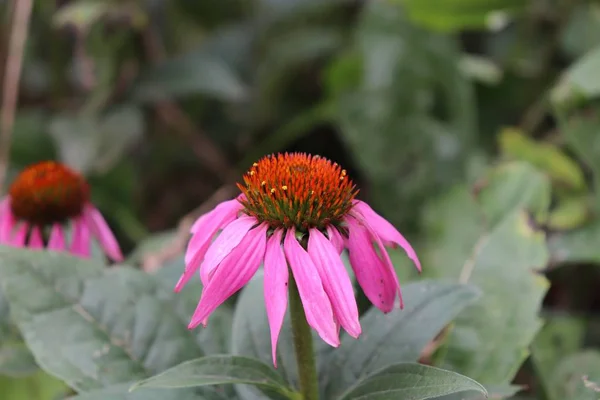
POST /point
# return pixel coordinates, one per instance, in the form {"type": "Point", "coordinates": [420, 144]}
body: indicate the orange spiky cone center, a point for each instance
{"type": "Point", "coordinates": [48, 192]}
{"type": "Point", "coordinates": [297, 190]}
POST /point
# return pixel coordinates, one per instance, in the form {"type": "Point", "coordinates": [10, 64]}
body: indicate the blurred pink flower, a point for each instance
{"type": "Point", "coordinates": [42, 199]}
{"type": "Point", "coordinates": [296, 210]}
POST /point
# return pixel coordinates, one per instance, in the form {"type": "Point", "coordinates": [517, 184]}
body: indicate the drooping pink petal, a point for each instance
{"type": "Point", "coordinates": [226, 210]}
{"type": "Point", "coordinates": [227, 240]}
{"type": "Point", "coordinates": [383, 255]}
{"type": "Point", "coordinates": [335, 238]}
{"type": "Point", "coordinates": [235, 271]}
{"type": "Point", "coordinates": [388, 234]}
{"type": "Point", "coordinates": [7, 220]}
{"type": "Point", "coordinates": [57, 238]}
{"type": "Point", "coordinates": [20, 236]}
{"type": "Point", "coordinates": [317, 307]}
{"type": "Point", "coordinates": [372, 275]}
{"type": "Point", "coordinates": [81, 241]}
{"type": "Point", "coordinates": [100, 230]}
{"type": "Point", "coordinates": [336, 282]}
{"type": "Point", "coordinates": [275, 287]}
{"type": "Point", "coordinates": [36, 241]}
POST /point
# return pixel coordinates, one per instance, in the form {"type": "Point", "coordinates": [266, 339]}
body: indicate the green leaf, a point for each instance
{"type": "Point", "coordinates": [96, 143]}
{"type": "Point", "coordinates": [578, 245]}
{"type": "Point", "coordinates": [456, 15]}
{"type": "Point", "coordinates": [89, 325]}
{"type": "Point", "coordinates": [397, 336]}
{"type": "Point", "coordinates": [453, 224]}
{"type": "Point", "coordinates": [15, 359]}
{"type": "Point", "coordinates": [514, 186]}
{"type": "Point", "coordinates": [39, 386]}
{"type": "Point", "coordinates": [570, 213]}
{"type": "Point", "coordinates": [578, 377]}
{"type": "Point", "coordinates": [216, 370]}
{"type": "Point", "coordinates": [122, 392]}
{"type": "Point", "coordinates": [197, 73]}
{"type": "Point", "coordinates": [506, 318]}
{"type": "Point", "coordinates": [411, 382]}
{"type": "Point", "coordinates": [545, 156]}
{"type": "Point", "coordinates": [559, 338]}
{"type": "Point", "coordinates": [581, 32]}
{"type": "Point", "coordinates": [581, 135]}
{"type": "Point", "coordinates": [154, 243]}
{"type": "Point", "coordinates": [579, 82]}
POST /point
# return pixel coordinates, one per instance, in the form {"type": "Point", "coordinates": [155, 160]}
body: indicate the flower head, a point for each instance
{"type": "Point", "coordinates": [42, 200]}
{"type": "Point", "coordinates": [296, 213]}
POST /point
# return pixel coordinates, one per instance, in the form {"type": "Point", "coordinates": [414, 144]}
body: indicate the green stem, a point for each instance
{"type": "Point", "coordinates": [303, 345]}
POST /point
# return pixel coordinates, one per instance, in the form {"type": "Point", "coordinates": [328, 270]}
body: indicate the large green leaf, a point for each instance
{"type": "Point", "coordinates": [39, 386]}
{"type": "Point", "coordinates": [89, 325]}
{"type": "Point", "coordinates": [490, 339]}
{"type": "Point", "coordinates": [411, 382]}
{"type": "Point", "coordinates": [397, 336]}
{"type": "Point", "coordinates": [456, 15]}
{"type": "Point", "coordinates": [216, 370]}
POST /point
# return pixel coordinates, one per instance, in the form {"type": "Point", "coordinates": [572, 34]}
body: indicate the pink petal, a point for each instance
{"type": "Point", "coordinates": [57, 238]}
{"type": "Point", "coordinates": [317, 306]}
{"type": "Point", "coordinates": [225, 210]}
{"type": "Point", "coordinates": [36, 241]}
{"type": "Point", "coordinates": [372, 275]}
{"type": "Point", "coordinates": [387, 232]}
{"type": "Point", "coordinates": [80, 244]}
{"type": "Point", "coordinates": [235, 271]}
{"type": "Point", "coordinates": [202, 234]}
{"type": "Point", "coordinates": [227, 240]}
{"type": "Point", "coordinates": [336, 282]}
{"type": "Point", "coordinates": [20, 236]}
{"type": "Point", "coordinates": [335, 238]}
{"type": "Point", "coordinates": [275, 287]}
{"type": "Point", "coordinates": [7, 220]}
{"type": "Point", "coordinates": [100, 230]}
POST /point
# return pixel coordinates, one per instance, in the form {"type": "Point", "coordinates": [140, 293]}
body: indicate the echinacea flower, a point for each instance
{"type": "Point", "coordinates": [297, 211]}
{"type": "Point", "coordinates": [45, 198]}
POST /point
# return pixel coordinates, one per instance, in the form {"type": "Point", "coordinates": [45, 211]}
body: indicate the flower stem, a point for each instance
{"type": "Point", "coordinates": [303, 345]}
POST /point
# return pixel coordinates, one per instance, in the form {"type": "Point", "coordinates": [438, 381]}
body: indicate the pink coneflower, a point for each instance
{"type": "Point", "coordinates": [43, 199]}
{"type": "Point", "coordinates": [297, 211]}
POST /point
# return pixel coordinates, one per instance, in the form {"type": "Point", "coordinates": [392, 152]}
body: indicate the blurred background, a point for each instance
{"type": "Point", "coordinates": [446, 113]}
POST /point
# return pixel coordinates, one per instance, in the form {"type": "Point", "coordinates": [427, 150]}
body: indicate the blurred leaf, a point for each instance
{"type": "Point", "coordinates": [453, 223]}
{"type": "Point", "coordinates": [39, 386]}
{"type": "Point", "coordinates": [505, 319]}
{"type": "Point", "coordinates": [215, 370]}
{"type": "Point", "coordinates": [581, 33]}
{"type": "Point", "coordinates": [569, 213]}
{"type": "Point", "coordinates": [494, 392]}
{"type": "Point", "coordinates": [456, 15]}
{"type": "Point", "coordinates": [579, 245]}
{"type": "Point", "coordinates": [30, 141]}
{"type": "Point", "coordinates": [578, 377]}
{"type": "Point", "coordinates": [545, 156]}
{"type": "Point", "coordinates": [514, 186]}
{"type": "Point", "coordinates": [581, 135]}
{"type": "Point", "coordinates": [413, 94]}
{"type": "Point", "coordinates": [481, 69]}
{"type": "Point", "coordinates": [83, 14]}
{"type": "Point", "coordinates": [96, 143]}
{"type": "Point", "coordinates": [15, 359]}
{"type": "Point", "coordinates": [411, 382]}
{"type": "Point", "coordinates": [152, 244]}
{"type": "Point", "coordinates": [560, 337]}
{"type": "Point", "coordinates": [200, 72]}
{"type": "Point", "coordinates": [579, 82]}
{"type": "Point", "coordinates": [397, 336]}
{"type": "Point", "coordinates": [122, 392]}
{"type": "Point", "coordinates": [89, 325]}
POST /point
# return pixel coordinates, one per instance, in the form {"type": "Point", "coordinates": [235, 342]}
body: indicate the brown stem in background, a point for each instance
{"type": "Point", "coordinates": [12, 77]}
